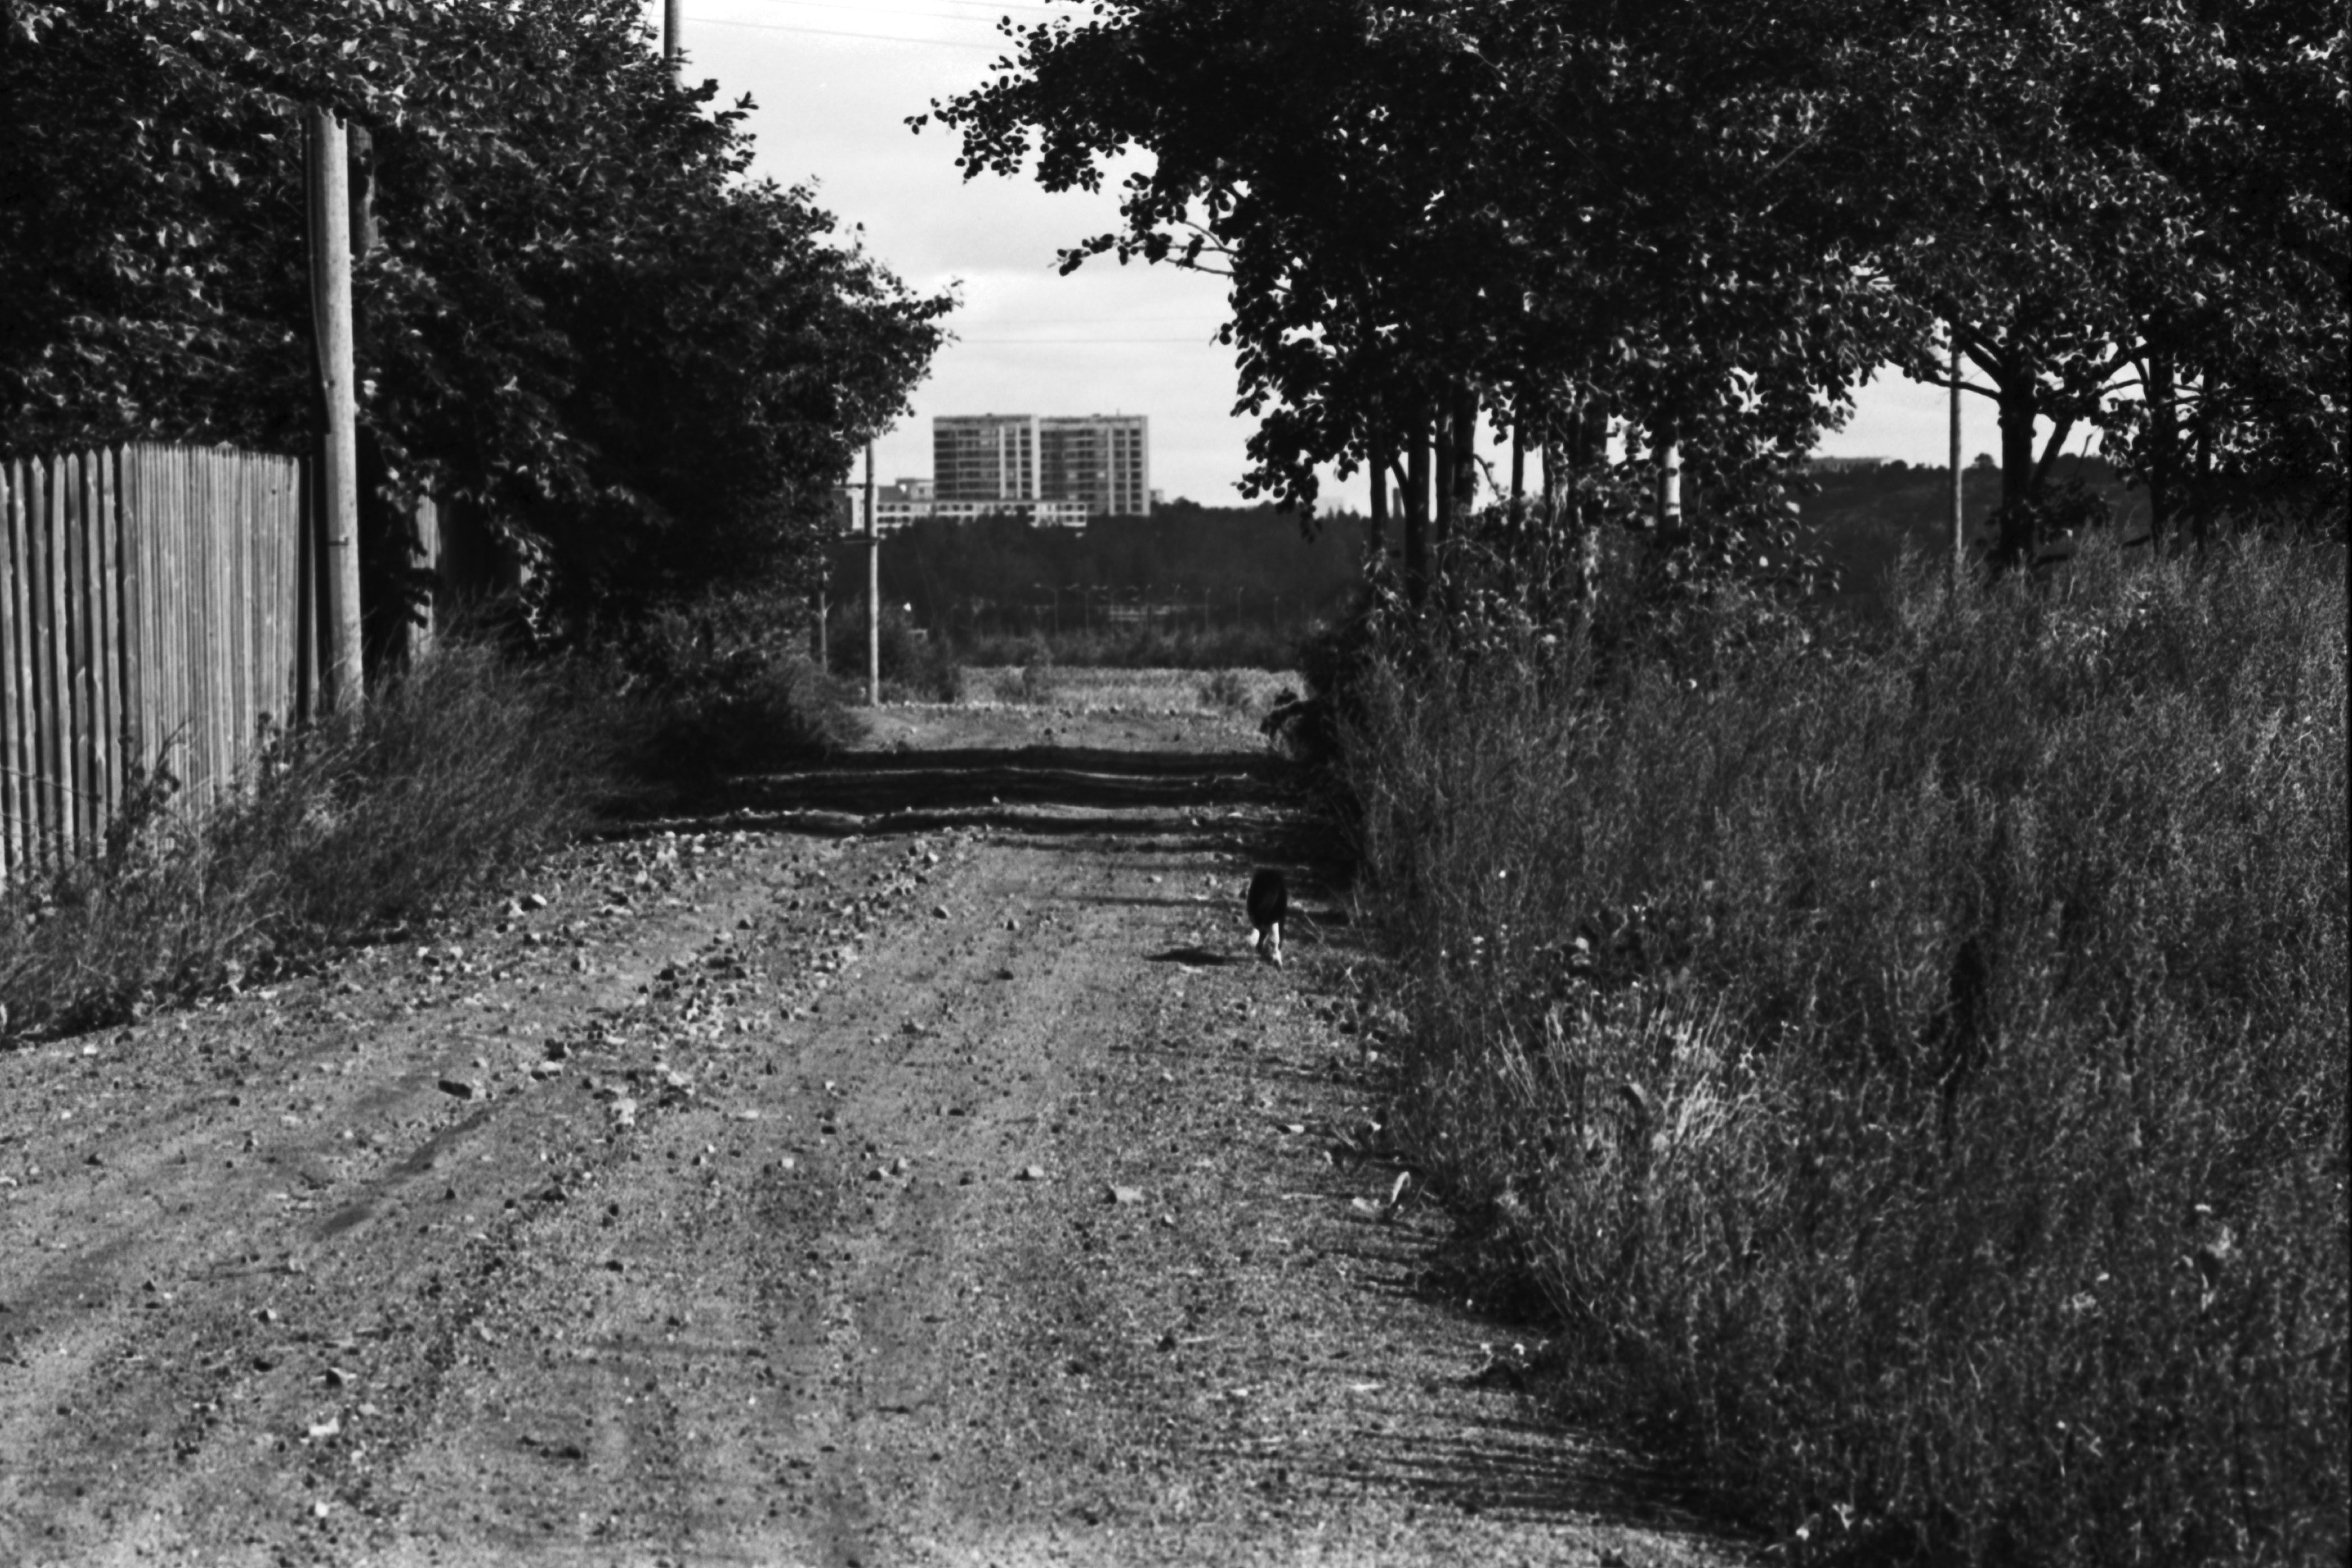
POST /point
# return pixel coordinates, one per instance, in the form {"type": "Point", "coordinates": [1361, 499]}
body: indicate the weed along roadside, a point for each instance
{"type": "Point", "coordinates": [1905, 1071]}
{"type": "Point", "coordinates": [899, 1161]}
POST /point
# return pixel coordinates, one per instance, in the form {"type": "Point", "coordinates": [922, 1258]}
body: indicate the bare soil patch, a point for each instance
{"type": "Point", "coordinates": [903, 1166]}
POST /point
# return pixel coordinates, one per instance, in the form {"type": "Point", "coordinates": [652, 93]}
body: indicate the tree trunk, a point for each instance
{"type": "Point", "coordinates": [1518, 464]}
{"type": "Point", "coordinates": [2201, 484]}
{"type": "Point", "coordinates": [1670, 486]}
{"type": "Point", "coordinates": [2164, 439]}
{"type": "Point", "coordinates": [1377, 533]}
{"type": "Point", "coordinates": [1442, 473]}
{"type": "Point", "coordinates": [2019, 472]}
{"type": "Point", "coordinates": [1589, 446]}
{"type": "Point", "coordinates": [1416, 514]}
{"type": "Point", "coordinates": [1464, 498]}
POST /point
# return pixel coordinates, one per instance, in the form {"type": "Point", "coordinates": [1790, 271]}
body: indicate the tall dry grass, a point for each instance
{"type": "Point", "coordinates": [1913, 1075]}
{"type": "Point", "coordinates": [452, 778]}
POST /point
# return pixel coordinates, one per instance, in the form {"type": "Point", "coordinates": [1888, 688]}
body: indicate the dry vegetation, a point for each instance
{"type": "Point", "coordinates": [450, 778]}
{"type": "Point", "coordinates": [457, 772]}
{"type": "Point", "coordinates": [1912, 1075]}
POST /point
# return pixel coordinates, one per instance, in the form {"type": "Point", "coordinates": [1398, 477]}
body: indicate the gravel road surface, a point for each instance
{"type": "Point", "coordinates": [905, 1164]}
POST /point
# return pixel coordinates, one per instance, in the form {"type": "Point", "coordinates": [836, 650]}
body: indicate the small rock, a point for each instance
{"type": "Point", "coordinates": [1030, 1173]}
{"type": "Point", "coordinates": [1126, 1194]}
{"type": "Point", "coordinates": [336, 1378]}
{"type": "Point", "coordinates": [939, 911]}
{"type": "Point", "coordinates": [534, 901]}
{"type": "Point", "coordinates": [321, 1430]}
{"type": "Point", "coordinates": [459, 1088]}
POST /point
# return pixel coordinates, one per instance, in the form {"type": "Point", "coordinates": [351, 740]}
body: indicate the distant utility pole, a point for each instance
{"type": "Point", "coordinates": [1670, 485]}
{"type": "Point", "coordinates": [326, 186]}
{"type": "Point", "coordinates": [1960, 524]}
{"type": "Point", "coordinates": [672, 35]}
{"type": "Point", "coordinates": [873, 583]}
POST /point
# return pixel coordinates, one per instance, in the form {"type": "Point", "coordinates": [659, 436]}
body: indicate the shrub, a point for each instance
{"type": "Point", "coordinates": [916, 667]}
{"type": "Point", "coordinates": [1913, 1074]}
{"type": "Point", "coordinates": [725, 684]}
{"type": "Point", "coordinates": [1225, 690]}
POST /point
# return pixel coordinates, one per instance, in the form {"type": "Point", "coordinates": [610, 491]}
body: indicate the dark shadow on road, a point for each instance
{"type": "Point", "coordinates": [871, 783]}
{"type": "Point", "coordinates": [1193, 955]}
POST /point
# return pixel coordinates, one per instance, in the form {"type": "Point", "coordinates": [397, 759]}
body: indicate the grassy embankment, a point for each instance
{"type": "Point", "coordinates": [456, 776]}
{"type": "Point", "coordinates": [1913, 1077]}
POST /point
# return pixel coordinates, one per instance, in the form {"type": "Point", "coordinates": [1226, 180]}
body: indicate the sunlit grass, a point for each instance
{"type": "Point", "coordinates": [1083, 689]}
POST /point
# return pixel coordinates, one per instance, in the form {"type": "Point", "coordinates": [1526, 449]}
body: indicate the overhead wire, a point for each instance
{"type": "Point", "coordinates": [977, 19]}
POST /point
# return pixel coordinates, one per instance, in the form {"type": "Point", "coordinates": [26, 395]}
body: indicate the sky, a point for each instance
{"type": "Point", "coordinates": [834, 82]}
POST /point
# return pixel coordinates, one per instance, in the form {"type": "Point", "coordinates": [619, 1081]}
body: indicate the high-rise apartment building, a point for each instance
{"type": "Point", "coordinates": [984, 457]}
{"type": "Point", "coordinates": [1102, 460]}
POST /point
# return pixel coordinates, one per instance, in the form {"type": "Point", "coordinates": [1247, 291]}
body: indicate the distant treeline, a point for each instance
{"type": "Point", "coordinates": [1186, 567]}
{"type": "Point", "coordinates": [1189, 569]}
{"type": "Point", "coordinates": [1860, 520]}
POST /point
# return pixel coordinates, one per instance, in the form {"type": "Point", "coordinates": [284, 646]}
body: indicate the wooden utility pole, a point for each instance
{"type": "Point", "coordinates": [873, 584]}
{"type": "Point", "coordinates": [329, 190]}
{"type": "Point", "coordinates": [673, 32]}
{"type": "Point", "coordinates": [1959, 519]}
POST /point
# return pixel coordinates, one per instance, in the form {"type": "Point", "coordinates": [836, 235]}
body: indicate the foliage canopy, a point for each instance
{"type": "Point", "coordinates": [580, 313]}
{"type": "Point", "coordinates": [1713, 222]}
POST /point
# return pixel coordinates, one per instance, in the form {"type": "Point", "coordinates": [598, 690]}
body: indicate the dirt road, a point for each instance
{"type": "Point", "coordinates": [904, 1167]}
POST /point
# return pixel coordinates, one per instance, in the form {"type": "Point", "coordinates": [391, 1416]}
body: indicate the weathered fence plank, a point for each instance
{"type": "Point", "coordinates": [153, 609]}
{"type": "Point", "coordinates": [17, 749]}
{"type": "Point", "coordinates": [56, 720]}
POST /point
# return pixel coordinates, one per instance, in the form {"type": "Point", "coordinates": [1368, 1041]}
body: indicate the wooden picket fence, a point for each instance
{"type": "Point", "coordinates": [152, 612]}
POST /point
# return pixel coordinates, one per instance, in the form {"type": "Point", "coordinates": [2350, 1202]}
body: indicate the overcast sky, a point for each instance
{"type": "Point", "coordinates": [834, 81]}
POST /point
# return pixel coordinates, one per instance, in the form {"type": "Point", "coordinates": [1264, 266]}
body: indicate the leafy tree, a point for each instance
{"type": "Point", "coordinates": [2127, 215]}
{"type": "Point", "coordinates": [1709, 221]}
{"type": "Point", "coordinates": [1436, 212]}
{"type": "Point", "coordinates": [583, 315]}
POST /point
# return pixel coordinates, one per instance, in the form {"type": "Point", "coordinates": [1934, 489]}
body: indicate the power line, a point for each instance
{"type": "Point", "coordinates": [1080, 343]}
{"type": "Point", "coordinates": [836, 33]}
{"type": "Point", "coordinates": [878, 11]}
{"type": "Point", "coordinates": [994, 8]}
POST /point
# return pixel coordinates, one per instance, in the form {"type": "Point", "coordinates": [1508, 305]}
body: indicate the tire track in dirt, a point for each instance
{"type": "Point", "coordinates": [914, 1184]}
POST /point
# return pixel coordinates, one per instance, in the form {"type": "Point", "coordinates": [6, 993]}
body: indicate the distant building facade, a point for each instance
{"type": "Point", "coordinates": [1101, 460]}
{"type": "Point", "coordinates": [984, 457]}
{"type": "Point", "coordinates": [907, 502]}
